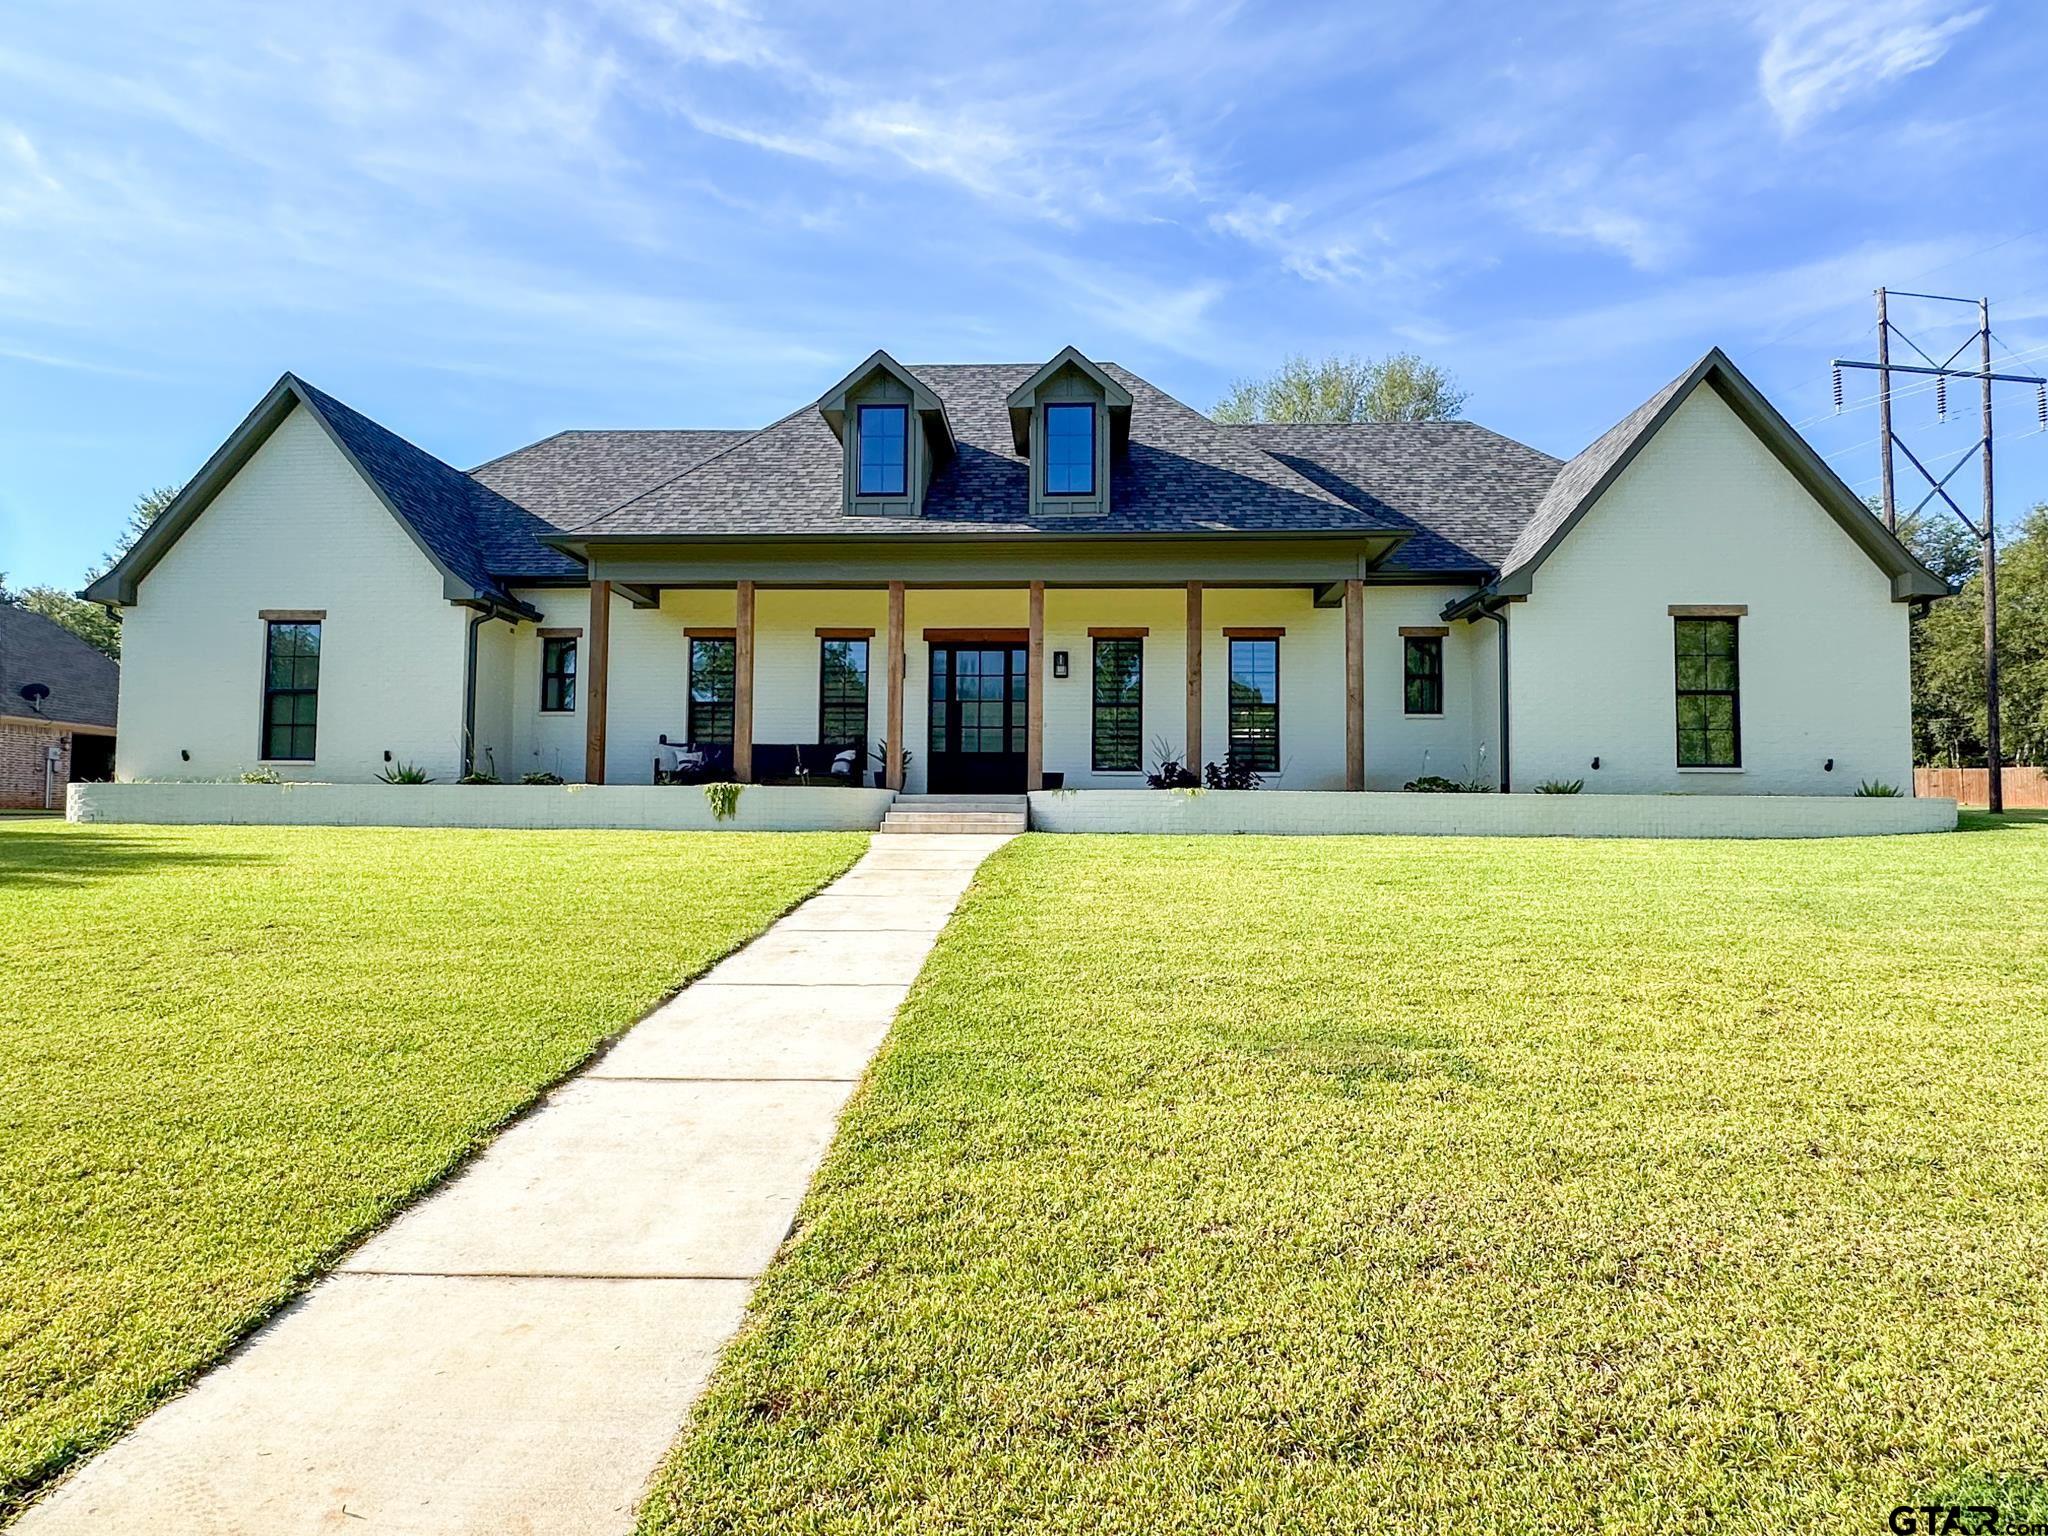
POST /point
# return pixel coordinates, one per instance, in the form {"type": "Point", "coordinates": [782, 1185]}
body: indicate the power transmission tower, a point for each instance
{"type": "Point", "coordinates": [1987, 530]}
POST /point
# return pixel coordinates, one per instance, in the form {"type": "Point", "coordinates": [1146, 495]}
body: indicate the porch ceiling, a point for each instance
{"type": "Point", "coordinates": [874, 561]}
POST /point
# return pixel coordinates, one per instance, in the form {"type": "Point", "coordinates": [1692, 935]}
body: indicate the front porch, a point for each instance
{"type": "Point", "coordinates": [1002, 688]}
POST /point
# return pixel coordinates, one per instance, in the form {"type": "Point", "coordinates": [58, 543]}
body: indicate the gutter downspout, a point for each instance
{"type": "Point", "coordinates": [1498, 613]}
{"type": "Point", "coordinates": [482, 618]}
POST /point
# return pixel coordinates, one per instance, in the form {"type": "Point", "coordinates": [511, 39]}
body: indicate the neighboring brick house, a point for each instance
{"type": "Point", "coordinates": [56, 692]}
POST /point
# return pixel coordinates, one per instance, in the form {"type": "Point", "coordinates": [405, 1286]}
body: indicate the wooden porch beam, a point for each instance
{"type": "Point", "coordinates": [1354, 685]}
{"type": "Point", "coordinates": [1034, 693]}
{"type": "Point", "coordinates": [892, 768]}
{"type": "Point", "coordinates": [596, 683]}
{"type": "Point", "coordinates": [1192, 752]}
{"type": "Point", "coordinates": [743, 682]}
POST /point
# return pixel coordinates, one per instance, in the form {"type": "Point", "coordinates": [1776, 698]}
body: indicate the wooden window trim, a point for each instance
{"type": "Point", "coordinates": [844, 634]}
{"type": "Point", "coordinates": [561, 634]}
{"type": "Point", "coordinates": [1244, 632]}
{"type": "Point", "coordinates": [1425, 631]}
{"type": "Point", "coordinates": [700, 632]}
{"type": "Point", "coordinates": [1708, 610]}
{"type": "Point", "coordinates": [1112, 632]}
{"type": "Point", "coordinates": [979, 636]}
{"type": "Point", "coordinates": [292, 615]}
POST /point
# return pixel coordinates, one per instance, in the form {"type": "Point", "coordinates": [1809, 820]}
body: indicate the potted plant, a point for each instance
{"type": "Point", "coordinates": [881, 756]}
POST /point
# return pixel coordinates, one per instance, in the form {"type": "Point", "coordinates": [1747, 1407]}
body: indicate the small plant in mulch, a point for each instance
{"type": "Point", "coordinates": [402, 772]}
{"type": "Point", "coordinates": [1170, 772]}
{"type": "Point", "coordinates": [1561, 787]}
{"type": "Point", "coordinates": [261, 776]}
{"type": "Point", "coordinates": [542, 777]}
{"type": "Point", "coordinates": [1232, 773]}
{"type": "Point", "coordinates": [1877, 789]}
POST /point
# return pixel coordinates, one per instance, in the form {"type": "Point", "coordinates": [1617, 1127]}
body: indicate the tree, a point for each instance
{"type": "Point", "coordinates": [1948, 657]}
{"type": "Point", "coordinates": [1401, 387]}
{"type": "Point", "coordinates": [89, 621]}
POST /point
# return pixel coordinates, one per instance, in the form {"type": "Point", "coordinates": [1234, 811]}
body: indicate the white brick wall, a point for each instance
{"type": "Point", "coordinates": [1282, 812]}
{"type": "Point", "coordinates": [1705, 515]}
{"type": "Point", "coordinates": [296, 529]}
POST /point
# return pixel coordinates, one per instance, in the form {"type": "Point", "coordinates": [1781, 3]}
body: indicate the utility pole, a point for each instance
{"type": "Point", "coordinates": [1884, 411]}
{"type": "Point", "coordinates": [1986, 530]}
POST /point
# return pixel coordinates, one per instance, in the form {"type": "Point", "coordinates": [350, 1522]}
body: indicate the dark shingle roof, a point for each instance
{"type": "Point", "coordinates": [471, 529]}
{"type": "Point", "coordinates": [1463, 490]}
{"type": "Point", "coordinates": [1183, 473]}
{"type": "Point", "coordinates": [84, 684]}
{"type": "Point", "coordinates": [573, 477]}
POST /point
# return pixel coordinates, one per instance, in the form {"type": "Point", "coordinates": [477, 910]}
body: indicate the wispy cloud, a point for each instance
{"type": "Point", "coordinates": [1822, 54]}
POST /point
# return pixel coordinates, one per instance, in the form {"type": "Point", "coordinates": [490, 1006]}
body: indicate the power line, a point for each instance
{"type": "Point", "coordinates": [1937, 486]}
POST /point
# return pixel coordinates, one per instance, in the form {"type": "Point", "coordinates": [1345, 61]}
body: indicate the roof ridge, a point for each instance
{"type": "Point", "coordinates": [686, 473]}
{"type": "Point", "coordinates": [538, 442]}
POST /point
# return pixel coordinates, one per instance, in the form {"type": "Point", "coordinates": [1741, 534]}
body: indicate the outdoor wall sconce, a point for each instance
{"type": "Point", "coordinates": [387, 754]}
{"type": "Point", "coordinates": [184, 756]}
{"type": "Point", "coordinates": [1059, 663]}
{"type": "Point", "coordinates": [1596, 765]}
{"type": "Point", "coordinates": [1828, 766]}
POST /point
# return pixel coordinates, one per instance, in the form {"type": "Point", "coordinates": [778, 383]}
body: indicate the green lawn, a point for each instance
{"type": "Point", "coordinates": [230, 1051]}
{"type": "Point", "coordinates": [1327, 1184]}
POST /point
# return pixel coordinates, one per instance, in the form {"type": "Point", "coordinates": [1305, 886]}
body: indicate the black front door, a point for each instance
{"type": "Point", "coordinates": [977, 719]}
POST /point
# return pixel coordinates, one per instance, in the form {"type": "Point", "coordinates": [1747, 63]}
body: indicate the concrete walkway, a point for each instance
{"type": "Point", "coordinates": [516, 1353]}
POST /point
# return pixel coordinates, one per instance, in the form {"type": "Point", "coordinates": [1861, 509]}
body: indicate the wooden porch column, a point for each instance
{"type": "Point", "coordinates": [1192, 760]}
{"type": "Point", "coordinates": [892, 770]}
{"type": "Point", "coordinates": [1354, 684]}
{"type": "Point", "coordinates": [1034, 693]}
{"type": "Point", "coordinates": [743, 682]}
{"type": "Point", "coordinates": [596, 685]}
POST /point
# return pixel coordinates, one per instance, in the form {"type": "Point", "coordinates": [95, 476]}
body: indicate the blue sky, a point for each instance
{"type": "Point", "coordinates": [481, 223]}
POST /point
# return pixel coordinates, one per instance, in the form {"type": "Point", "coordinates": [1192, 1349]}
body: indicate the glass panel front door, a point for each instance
{"type": "Point", "coordinates": [978, 707]}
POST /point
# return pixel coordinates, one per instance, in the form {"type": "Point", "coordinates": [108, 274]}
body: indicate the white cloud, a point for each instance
{"type": "Point", "coordinates": [1821, 54]}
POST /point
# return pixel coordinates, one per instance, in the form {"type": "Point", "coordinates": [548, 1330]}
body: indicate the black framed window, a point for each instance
{"type": "Point", "coordinates": [711, 691]}
{"type": "Point", "coordinates": [1070, 450]}
{"type": "Point", "coordinates": [291, 690]}
{"type": "Point", "coordinates": [842, 692]}
{"type": "Point", "coordinates": [884, 450]}
{"type": "Point", "coordinates": [1255, 704]}
{"type": "Point", "coordinates": [1119, 684]}
{"type": "Point", "coordinates": [1709, 698]}
{"type": "Point", "coordinates": [1423, 691]}
{"type": "Point", "coordinates": [557, 673]}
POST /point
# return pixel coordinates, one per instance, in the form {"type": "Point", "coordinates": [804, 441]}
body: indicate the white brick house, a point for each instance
{"type": "Point", "coordinates": [1028, 575]}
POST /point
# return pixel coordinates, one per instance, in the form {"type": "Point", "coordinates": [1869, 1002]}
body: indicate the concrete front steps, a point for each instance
{"type": "Point", "coordinates": [978, 814]}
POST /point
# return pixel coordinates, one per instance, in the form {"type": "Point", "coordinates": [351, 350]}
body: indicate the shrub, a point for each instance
{"type": "Point", "coordinates": [261, 776]}
{"type": "Point", "coordinates": [1877, 789]}
{"type": "Point", "coordinates": [1561, 787]}
{"type": "Point", "coordinates": [485, 777]}
{"type": "Point", "coordinates": [1169, 771]}
{"type": "Point", "coordinates": [542, 777]}
{"type": "Point", "coordinates": [724, 798]}
{"type": "Point", "coordinates": [1231, 773]}
{"type": "Point", "coordinates": [1433, 784]}
{"type": "Point", "coordinates": [402, 772]}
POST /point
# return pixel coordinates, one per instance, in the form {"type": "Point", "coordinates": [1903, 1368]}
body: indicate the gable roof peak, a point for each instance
{"type": "Point", "coordinates": [1024, 398]}
{"type": "Point", "coordinates": [930, 408]}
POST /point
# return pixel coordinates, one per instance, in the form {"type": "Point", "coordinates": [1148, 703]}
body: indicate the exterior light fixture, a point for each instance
{"type": "Point", "coordinates": [1059, 663]}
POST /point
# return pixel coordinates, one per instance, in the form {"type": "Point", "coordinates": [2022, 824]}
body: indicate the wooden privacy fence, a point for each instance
{"type": "Point", "coordinates": [2025, 788]}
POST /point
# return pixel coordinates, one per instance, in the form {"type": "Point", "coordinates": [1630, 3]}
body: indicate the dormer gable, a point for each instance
{"type": "Point", "coordinates": [1071, 421]}
{"type": "Point", "coordinates": [894, 434]}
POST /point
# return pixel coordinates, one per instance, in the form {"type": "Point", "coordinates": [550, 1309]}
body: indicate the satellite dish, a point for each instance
{"type": "Point", "coordinates": [35, 693]}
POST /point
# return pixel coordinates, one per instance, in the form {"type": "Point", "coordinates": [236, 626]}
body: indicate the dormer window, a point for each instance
{"type": "Point", "coordinates": [1070, 450]}
{"type": "Point", "coordinates": [884, 450]}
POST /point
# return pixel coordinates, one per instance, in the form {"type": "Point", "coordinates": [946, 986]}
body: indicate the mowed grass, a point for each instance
{"type": "Point", "coordinates": [227, 1052]}
{"type": "Point", "coordinates": [1329, 1185]}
